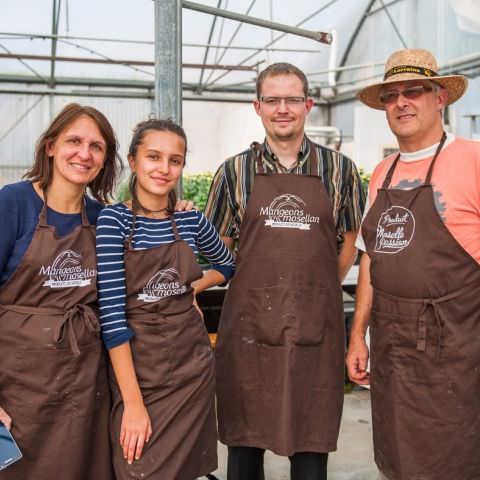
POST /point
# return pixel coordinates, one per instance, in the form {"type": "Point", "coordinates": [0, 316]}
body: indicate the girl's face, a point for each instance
{"type": "Point", "coordinates": [158, 163]}
{"type": "Point", "coordinates": [78, 152]}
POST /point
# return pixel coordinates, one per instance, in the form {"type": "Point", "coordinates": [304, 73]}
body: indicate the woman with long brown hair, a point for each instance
{"type": "Point", "coordinates": [163, 417]}
{"type": "Point", "coordinates": [53, 385]}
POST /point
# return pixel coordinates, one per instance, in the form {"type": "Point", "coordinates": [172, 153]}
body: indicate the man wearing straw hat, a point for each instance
{"type": "Point", "coordinates": [419, 285]}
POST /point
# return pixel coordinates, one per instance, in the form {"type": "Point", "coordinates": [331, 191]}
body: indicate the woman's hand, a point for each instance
{"type": "Point", "coordinates": [5, 418]}
{"type": "Point", "coordinates": [136, 429]}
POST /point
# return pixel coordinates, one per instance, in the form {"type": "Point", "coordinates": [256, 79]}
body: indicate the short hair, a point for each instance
{"type": "Point", "coordinates": [281, 69]}
{"type": "Point", "coordinates": [101, 187]}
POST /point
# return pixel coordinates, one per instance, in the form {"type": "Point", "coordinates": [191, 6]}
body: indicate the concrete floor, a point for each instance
{"type": "Point", "coordinates": [352, 461]}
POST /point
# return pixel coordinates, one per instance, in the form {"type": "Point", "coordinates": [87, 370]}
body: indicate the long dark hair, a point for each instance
{"type": "Point", "coordinates": [139, 133]}
{"type": "Point", "coordinates": [102, 185]}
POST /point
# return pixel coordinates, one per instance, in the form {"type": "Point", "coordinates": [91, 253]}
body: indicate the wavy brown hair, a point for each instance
{"type": "Point", "coordinates": [101, 187]}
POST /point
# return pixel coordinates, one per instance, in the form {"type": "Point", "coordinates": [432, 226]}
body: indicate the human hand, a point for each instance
{"type": "Point", "coordinates": [136, 429]}
{"type": "Point", "coordinates": [357, 361]}
{"type": "Point", "coordinates": [5, 418]}
{"type": "Point", "coordinates": [185, 206]}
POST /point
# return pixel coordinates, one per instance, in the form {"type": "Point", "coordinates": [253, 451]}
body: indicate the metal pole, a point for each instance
{"type": "Point", "coordinates": [322, 37]}
{"type": "Point", "coordinates": [168, 59]}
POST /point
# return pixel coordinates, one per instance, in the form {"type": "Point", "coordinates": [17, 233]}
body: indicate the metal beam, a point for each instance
{"type": "Point", "coordinates": [119, 94]}
{"type": "Point", "coordinates": [265, 47]}
{"type": "Point", "coordinates": [394, 25]}
{"type": "Point", "coordinates": [205, 56]}
{"type": "Point", "coordinates": [354, 37]}
{"type": "Point", "coordinates": [42, 36]}
{"type": "Point", "coordinates": [322, 37]}
{"type": "Point", "coordinates": [230, 41]}
{"type": "Point", "coordinates": [55, 20]}
{"type": "Point", "coordinates": [19, 56]}
{"type": "Point", "coordinates": [168, 59]}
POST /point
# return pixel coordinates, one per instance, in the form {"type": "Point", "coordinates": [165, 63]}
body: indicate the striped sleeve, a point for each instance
{"type": "Point", "coordinates": [111, 228]}
{"type": "Point", "coordinates": [218, 208]}
{"type": "Point", "coordinates": [213, 249]}
{"type": "Point", "coordinates": [352, 198]}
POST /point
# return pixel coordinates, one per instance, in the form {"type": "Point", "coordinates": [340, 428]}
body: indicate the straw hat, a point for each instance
{"type": "Point", "coordinates": [413, 64]}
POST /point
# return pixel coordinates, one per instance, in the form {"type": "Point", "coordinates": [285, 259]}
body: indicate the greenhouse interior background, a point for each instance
{"type": "Point", "coordinates": [53, 52]}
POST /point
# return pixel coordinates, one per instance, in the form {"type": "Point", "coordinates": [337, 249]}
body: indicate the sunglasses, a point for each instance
{"type": "Point", "coordinates": [278, 100]}
{"type": "Point", "coordinates": [409, 93]}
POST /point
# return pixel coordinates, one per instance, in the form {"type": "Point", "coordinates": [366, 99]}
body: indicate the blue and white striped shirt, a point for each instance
{"type": "Point", "coordinates": [113, 225]}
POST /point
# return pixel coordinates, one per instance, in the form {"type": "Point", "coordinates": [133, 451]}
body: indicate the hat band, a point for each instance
{"type": "Point", "coordinates": [425, 72]}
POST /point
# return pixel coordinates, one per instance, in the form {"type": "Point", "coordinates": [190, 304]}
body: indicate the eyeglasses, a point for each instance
{"type": "Point", "coordinates": [409, 93]}
{"type": "Point", "coordinates": [278, 100]}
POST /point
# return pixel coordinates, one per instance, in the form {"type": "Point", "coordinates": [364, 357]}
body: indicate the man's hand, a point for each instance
{"type": "Point", "coordinates": [357, 361]}
{"type": "Point", "coordinates": [185, 206]}
{"type": "Point", "coordinates": [5, 418]}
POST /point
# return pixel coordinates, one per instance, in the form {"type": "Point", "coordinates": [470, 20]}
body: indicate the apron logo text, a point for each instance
{"type": "Point", "coordinates": [287, 211]}
{"type": "Point", "coordinates": [395, 230]}
{"type": "Point", "coordinates": [67, 271]}
{"type": "Point", "coordinates": [163, 284]}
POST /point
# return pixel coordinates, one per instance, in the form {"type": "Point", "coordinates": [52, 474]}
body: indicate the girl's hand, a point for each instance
{"type": "Point", "coordinates": [136, 429]}
{"type": "Point", "coordinates": [5, 418]}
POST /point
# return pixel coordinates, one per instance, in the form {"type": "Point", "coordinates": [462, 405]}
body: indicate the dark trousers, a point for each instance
{"type": "Point", "coordinates": [246, 463]}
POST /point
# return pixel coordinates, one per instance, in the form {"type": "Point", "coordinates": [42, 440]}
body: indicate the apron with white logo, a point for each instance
{"type": "Point", "coordinates": [280, 347]}
{"type": "Point", "coordinates": [174, 365]}
{"type": "Point", "coordinates": [425, 344]}
{"type": "Point", "coordinates": [53, 380]}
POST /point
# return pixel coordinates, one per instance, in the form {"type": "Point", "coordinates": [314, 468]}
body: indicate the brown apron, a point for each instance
{"type": "Point", "coordinates": [174, 365]}
{"type": "Point", "coordinates": [280, 347]}
{"type": "Point", "coordinates": [53, 380]}
{"type": "Point", "coordinates": [425, 348]}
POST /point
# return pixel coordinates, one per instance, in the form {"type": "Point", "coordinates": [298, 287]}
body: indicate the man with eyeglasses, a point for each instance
{"type": "Point", "coordinates": [294, 207]}
{"type": "Point", "coordinates": [419, 285]}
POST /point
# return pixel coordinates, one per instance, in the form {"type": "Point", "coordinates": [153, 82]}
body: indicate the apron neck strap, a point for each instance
{"type": "Point", "coordinates": [389, 176]}
{"type": "Point", "coordinates": [428, 178]}
{"type": "Point", "coordinates": [129, 239]}
{"type": "Point", "coordinates": [430, 170]}
{"type": "Point", "coordinates": [42, 218]}
{"type": "Point", "coordinates": [257, 150]}
{"type": "Point", "coordinates": [314, 159]}
{"type": "Point", "coordinates": [257, 157]}
{"type": "Point", "coordinates": [175, 229]}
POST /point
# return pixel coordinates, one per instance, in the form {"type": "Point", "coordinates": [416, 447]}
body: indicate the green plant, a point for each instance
{"type": "Point", "coordinates": [365, 178]}
{"type": "Point", "coordinates": [196, 188]}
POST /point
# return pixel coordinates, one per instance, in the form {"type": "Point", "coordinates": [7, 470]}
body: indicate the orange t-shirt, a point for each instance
{"type": "Point", "coordinates": [456, 185]}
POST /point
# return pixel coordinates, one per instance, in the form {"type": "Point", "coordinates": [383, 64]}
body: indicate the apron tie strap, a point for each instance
{"type": "Point", "coordinates": [70, 315]}
{"type": "Point", "coordinates": [435, 304]}
{"type": "Point", "coordinates": [422, 326]}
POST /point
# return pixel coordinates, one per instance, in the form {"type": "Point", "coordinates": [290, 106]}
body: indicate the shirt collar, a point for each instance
{"type": "Point", "coordinates": [272, 160]}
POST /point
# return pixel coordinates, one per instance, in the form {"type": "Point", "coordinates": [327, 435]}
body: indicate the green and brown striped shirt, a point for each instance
{"type": "Point", "coordinates": [233, 184]}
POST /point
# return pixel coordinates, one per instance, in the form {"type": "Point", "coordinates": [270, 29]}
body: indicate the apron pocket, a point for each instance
{"type": "Point", "coordinates": [152, 356]}
{"type": "Point", "coordinates": [44, 385]}
{"type": "Point", "coordinates": [193, 354]}
{"type": "Point", "coordinates": [283, 316]}
{"type": "Point", "coordinates": [406, 346]}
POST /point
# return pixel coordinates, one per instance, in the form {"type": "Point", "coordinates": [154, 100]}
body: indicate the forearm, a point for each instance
{"type": "Point", "coordinates": [211, 278]}
{"type": "Point", "coordinates": [229, 243]}
{"type": "Point", "coordinates": [122, 363]}
{"type": "Point", "coordinates": [363, 302]}
{"type": "Point", "coordinates": [348, 254]}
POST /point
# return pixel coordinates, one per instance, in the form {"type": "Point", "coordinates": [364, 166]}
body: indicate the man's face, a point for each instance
{"type": "Point", "coordinates": [414, 120]}
{"type": "Point", "coordinates": [283, 120]}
